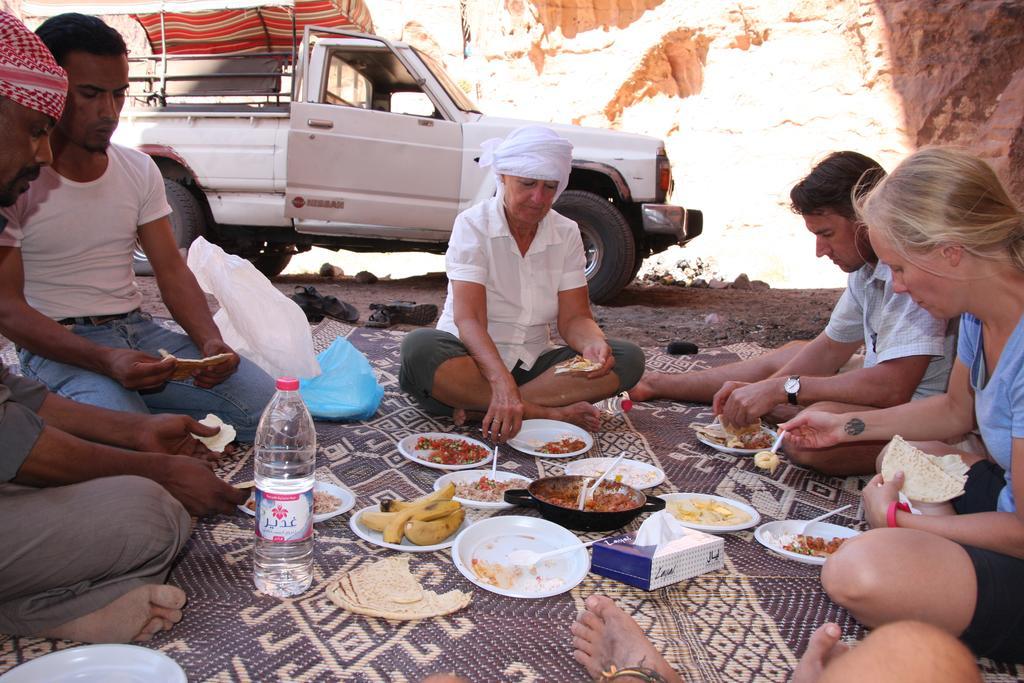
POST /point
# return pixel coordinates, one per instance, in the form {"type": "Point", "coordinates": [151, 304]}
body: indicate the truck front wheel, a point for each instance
{"type": "Point", "coordinates": [187, 223]}
{"type": "Point", "coordinates": [607, 242]}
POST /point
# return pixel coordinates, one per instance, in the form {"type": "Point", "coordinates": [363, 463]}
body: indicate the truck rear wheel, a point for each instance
{"type": "Point", "coordinates": [271, 263]}
{"type": "Point", "coordinates": [607, 242]}
{"type": "Point", "coordinates": [187, 223]}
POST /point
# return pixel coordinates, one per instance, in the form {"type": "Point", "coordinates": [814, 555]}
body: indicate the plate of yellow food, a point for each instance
{"type": "Point", "coordinates": [711, 514]}
{"type": "Point", "coordinates": [421, 525]}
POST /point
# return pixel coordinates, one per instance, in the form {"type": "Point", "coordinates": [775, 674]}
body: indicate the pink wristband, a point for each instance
{"type": "Point", "coordinates": [890, 515]}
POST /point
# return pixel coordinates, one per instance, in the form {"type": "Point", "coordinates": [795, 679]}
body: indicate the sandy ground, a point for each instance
{"type": "Point", "coordinates": [649, 315]}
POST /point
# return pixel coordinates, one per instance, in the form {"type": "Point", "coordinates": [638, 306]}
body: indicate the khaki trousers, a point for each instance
{"type": "Point", "coordinates": [71, 550]}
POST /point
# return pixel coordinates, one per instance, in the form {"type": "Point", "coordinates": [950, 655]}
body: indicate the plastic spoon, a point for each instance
{"type": "Point", "coordinates": [494, 462]}
{"type": "Point", "coordinates": [528, 558]}
{"type": "Point", "coordinates": [586, 493]}
{"type": "Point", "coordinates": [809, 522]}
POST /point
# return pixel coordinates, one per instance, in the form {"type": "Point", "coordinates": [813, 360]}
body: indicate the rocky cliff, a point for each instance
{"type": "Point", "coordinates": [747, 95]}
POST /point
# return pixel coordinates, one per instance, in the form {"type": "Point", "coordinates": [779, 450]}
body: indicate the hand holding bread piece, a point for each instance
{"type": "Point", "coordinates": [929, 478]}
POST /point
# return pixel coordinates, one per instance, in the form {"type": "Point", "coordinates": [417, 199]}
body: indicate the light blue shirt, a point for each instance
{"type": "Point", "coordinates": [998, 398]}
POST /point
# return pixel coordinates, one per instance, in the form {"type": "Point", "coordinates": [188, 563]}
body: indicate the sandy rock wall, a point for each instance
{"type": "Point", "coordinates": [747, 95]}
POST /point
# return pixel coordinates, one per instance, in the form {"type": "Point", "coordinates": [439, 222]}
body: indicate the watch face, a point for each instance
{"type": "Point", "coordinates": [792, 385]}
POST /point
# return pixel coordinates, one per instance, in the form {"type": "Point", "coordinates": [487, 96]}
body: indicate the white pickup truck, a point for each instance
{"type": "Point", "coordinates": [368, 145]}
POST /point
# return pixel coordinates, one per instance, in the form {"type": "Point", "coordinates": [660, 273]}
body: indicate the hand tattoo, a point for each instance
{"type": "Point", "coordinates": [854, 426]}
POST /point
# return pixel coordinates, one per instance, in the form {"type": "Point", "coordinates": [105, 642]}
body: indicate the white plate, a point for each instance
{"type": "Point", "coordinates": [377, 538]}
{"type": "Point", "coordinates": [639, 475]}
{"type": "Point", "coordinates": [536, 433]}
{"type": "Point", "coordinates": [99, 664]}
{"type": "Point", "coordinates": [737, 451]}
{"type": "Point", "coordinates": [755, 516]}
{"type": "Point", "coordinates": [492, 539]}
{"type": "Point", "coordinates": [348, 501]}
{"type": "Point", "coordinates": [473, 475]}
{"type": "Point", "coordinates": [792, 526]}
{"type": "Point", "coordinates": [407, 447]}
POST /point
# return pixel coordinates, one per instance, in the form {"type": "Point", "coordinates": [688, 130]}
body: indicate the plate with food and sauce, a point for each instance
{"type": "Point", "coordinates": [445, 451]}
{"type": "Point", "coordinates": [711, 514]}
{"type": "Point", "coordinates": [478, 489]}
{"type": "Point", "coordinates": [483, 554]}
{"type": "Point", "coordinates": [815, 545]}
{"type": "Point", "coordinates": [747, 442]}
{"type": "Point", "coordinates": [551, 439]}
{"type": "Point", "coordinates": [329, 500]}
{"type": "Point", "coordinates": [639, 475]}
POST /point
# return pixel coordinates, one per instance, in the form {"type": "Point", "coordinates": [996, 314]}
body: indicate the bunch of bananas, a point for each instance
{"type": "Point", "coordinates": [426, 520]}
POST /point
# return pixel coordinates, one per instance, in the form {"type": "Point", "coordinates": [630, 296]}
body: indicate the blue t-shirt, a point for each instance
{"type": "Point", "coordinates": [999, 398]}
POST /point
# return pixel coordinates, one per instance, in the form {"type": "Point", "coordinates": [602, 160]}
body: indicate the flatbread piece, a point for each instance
{"type": "Point", "coordinates": [577, 364]}
{"type": "Point", "coordinates": [184, 367]}
{"type": "Point", "coordinates": [388, 590]}
{"type": "Point", "coordinates": [929, 478]}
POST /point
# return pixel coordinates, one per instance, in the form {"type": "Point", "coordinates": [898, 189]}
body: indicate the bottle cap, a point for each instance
{"type": "Point", "coordinates": [626, 405]}
{"type": "Point", "coordinates": [287, 384]}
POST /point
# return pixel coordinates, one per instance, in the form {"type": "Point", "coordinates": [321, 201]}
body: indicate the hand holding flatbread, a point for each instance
{"type": "Point", "coordinates": [929, 478]}
{"type": "Point", "coordinates": [218, 441]}
{"type": "Point", "coordinates": [184, 367]}
{"type": "Point", "coordinates": [388, 590]}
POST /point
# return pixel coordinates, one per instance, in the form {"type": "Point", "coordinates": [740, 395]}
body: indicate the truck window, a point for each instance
{"type": "Point", "coordinates": [413, 103]}
{"type": "Point", "coordinates": [345, 86]}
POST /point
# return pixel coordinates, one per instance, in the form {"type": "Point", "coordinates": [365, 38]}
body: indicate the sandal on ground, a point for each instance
{"type": "Point", "coordinates": [401, 312]}
{"type": "Point", "coordinates": [315, 305]}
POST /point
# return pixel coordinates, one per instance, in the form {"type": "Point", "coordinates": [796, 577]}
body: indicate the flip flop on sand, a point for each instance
{"type": "Point", "coordinates": [315, 305]}
{"type": "Point", "coordinates": [401, 312]}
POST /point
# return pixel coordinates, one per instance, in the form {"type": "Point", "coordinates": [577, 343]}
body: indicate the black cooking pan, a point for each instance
{"type": "Point", "coordinates": [540, 492]}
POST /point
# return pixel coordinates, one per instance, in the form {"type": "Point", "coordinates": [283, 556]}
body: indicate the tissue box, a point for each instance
{"type": "Point", "coordinates": [651, 567]}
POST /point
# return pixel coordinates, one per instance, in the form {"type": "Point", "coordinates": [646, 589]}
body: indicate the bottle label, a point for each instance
{"type": "Point", "coordinates": [284, 517]}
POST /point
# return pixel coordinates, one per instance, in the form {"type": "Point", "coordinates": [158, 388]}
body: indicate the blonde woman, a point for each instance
{"type": "Point", "coordinates": [955, 242]}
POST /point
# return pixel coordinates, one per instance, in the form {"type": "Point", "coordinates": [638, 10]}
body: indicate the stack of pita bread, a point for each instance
{"type": "Point", "coordinates": [388, 590]}
{"type": "Point", "coordinates": [929, 478]}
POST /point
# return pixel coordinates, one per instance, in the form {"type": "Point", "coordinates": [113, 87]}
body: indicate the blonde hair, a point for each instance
{"type": "Point", "coordinates": [941, 196]}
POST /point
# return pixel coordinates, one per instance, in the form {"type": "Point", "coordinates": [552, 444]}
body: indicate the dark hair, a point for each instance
{"type": "Point", "coordinates": [73, 32]}
{"type": "Point", "coordinates": [833, 184]}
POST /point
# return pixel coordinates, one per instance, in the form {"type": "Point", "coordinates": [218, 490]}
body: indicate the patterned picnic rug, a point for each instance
{"type": "Point", "coordinates": [746, 622]}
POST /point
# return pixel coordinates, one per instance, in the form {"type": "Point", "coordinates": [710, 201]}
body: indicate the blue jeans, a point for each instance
{"type": "Point", "coordinates": [239, 400]}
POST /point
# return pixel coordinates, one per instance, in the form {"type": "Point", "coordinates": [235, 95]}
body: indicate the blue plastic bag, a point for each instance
{"type": "Point", "coordinates": [346, 389]}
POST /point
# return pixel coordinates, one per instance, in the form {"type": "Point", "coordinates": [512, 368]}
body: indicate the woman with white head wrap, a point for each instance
{"type": "Point", "coordinates": [514, 266]}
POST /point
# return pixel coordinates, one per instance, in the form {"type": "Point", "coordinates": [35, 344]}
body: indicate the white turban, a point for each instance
{"type": "Point", "coordinates": [530, 152]}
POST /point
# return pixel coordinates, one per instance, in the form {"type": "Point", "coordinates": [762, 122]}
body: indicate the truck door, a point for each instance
{"type": "Point", "coordinates": [372, 156]}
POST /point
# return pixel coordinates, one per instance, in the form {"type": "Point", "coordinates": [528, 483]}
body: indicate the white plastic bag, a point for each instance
{"type": "Point", "coordinates": [255, 319]}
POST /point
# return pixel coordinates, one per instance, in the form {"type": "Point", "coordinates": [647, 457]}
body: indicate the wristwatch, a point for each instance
{"type": "Point", "coordinates": [792, 387]}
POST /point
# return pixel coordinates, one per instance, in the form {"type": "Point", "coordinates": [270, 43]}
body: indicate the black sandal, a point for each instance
{"type": "Point", "coordinates": [315, 305]}
{"type": "Point", "coordinates": [401, 312]}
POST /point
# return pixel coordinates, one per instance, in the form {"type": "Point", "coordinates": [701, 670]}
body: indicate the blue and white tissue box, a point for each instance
{"type": "Point", "coordinates": [651, 567]}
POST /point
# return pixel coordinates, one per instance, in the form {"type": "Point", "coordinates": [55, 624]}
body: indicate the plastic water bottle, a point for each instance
{"type": "Point", "coordinates": [285, 462]}
{"type": "Point", "coordinates": [616, 405]}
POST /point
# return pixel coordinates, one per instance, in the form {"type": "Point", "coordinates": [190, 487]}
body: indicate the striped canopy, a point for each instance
{"type": "Point", "coordinates": [209, 27]}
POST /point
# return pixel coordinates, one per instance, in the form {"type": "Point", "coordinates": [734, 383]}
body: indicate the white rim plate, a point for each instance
{"type": "Point", "coordinates": [536, 433]}
{"type": "Point", "coordinates": [792, 526]}
{"type": "Point", "coordinates": [407, 445]}
{"type": "Point", "coordinates": [348, 501]}
{"type": "Point", "coordinates": [492, 539]}
{"type": "Point", "coordinates": [99, 663]}
{"type": "Point", "coordinates": [377, 538]}
{"type": "Point", "coordinates": [737, 451]}
{"type": "Point", "coordinates": [755, 516]}
{"type": "Point", "coordinates": [642, 475]}
{"type": "Point", "coordinates": [472, 475]}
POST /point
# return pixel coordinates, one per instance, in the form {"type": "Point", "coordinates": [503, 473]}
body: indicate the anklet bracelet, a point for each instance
{"type": "Point", "coordinates": [638, 672]}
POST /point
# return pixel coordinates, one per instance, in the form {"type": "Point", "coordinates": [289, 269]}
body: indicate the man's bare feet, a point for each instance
{"type": "Point", "coordinates": [823, 647]}
{"type": "Point", "coordinates": [605, 636]}
{"type": "Point", "coordinates": [138, 615]}
{"type": "Point", "coordinates": [649, 387]}
{"type": "Point", "coordinates": [582, 414]}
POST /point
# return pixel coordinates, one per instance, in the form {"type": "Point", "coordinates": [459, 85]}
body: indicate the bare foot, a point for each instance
{"type": "Point", "coordinates": [582, 414]}
{"type": "Point", "coordinates": [605, 636]}
{"type": "Point", "coordinates": [651, 386]}
{"type": "Point", "coordinates": [137, 615]}
{"type": "Point", "coordinates": [459, 416]}
{"type": "Point", "coordinates": [823, 647]}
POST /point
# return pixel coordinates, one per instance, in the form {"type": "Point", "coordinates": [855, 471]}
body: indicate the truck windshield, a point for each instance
{"type": "Point", "coordinates": [460, 98]}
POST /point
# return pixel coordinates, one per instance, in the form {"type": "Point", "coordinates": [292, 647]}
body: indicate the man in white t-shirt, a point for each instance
{"type": "Point", "coordinates": [69, 298]}
{"type": "Point", "coordinates": [908, 354]}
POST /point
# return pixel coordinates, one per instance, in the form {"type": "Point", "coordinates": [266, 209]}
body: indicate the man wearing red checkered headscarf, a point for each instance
{"type": "Point", "coordinates": [32, 93]}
